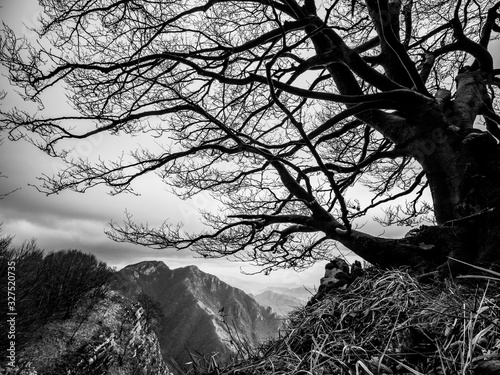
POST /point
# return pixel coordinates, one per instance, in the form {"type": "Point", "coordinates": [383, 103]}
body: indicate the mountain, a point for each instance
{"type": "Point", "coordinates": [279, 303]}
{"type": "Point", "coordinates": [199, 312]}
{"type": "Point", "coordinates": [110, 336]}
{"type": "Point", "coordinates": [303, 293]}
{"type": "Point", "coordinates": [283, 300]}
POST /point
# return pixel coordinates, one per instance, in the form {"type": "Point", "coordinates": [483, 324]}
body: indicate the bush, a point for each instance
{"type": "Point", "coordinates": [153, 312]}
{"type": "Point", "coordinates": [47, 286]}
{"type": "Point", "coordinates": [69, 276]}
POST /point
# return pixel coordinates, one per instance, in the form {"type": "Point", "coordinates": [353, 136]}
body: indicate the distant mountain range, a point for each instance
{"type": "Point", "coordinates": [282, 301]}
{"type": "Point", "coordinates": [201, 313]}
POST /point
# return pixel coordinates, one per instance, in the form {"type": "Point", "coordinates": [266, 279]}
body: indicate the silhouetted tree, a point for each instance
{"type": "Point", "coordinates": [285, 111]}
{"type": "Point", "coordinates": [69, 276]}
{"type": "Point", "coordinates": [24, 265]}
{"type": "Point", "coordinates": [153, 312]}
{"type": "Point", "coordinates": [47, 287]}
{"type": "Point", "coordinates": [3, 193]}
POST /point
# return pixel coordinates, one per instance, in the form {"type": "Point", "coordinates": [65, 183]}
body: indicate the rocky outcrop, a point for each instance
{"type": "Point", "coordinates": [338, 275]}
{"type": "Point", "coordinates": [110, 337]}
{"type": "Point", "coordinates": [200, 313]}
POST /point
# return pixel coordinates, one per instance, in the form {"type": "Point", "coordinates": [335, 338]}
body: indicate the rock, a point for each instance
{"type": "Point", "coordinates": [356, 270]}
{"type": "Point", "coordinates": [489, 367]}
{"type": "Point", "coordinates": [338, 276]}
{"type": "Point", "coordinates": [111, 336]}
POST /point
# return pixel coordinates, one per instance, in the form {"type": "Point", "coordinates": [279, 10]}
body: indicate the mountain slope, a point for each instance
{"type": "Point", "coordinates": [107, 337]}
{"type": "Point", "coordinates": [195, 305]}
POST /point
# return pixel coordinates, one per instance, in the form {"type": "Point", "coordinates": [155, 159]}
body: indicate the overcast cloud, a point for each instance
{"type": "Point", "coordinates": [72, 220]}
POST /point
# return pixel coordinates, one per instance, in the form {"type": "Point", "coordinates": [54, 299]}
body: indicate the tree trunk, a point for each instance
{"type": "Point", "coordinates": [465, 186]}
{"type": "Point", "coordinates": [462, 166]}
{"type": "Point", "coordinates": [474, 239]}
{"type": "Point", "coordinates": [463, 170]}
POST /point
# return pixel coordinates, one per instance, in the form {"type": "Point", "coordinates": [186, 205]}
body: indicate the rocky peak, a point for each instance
{"type": "Point", "coordinates": [197, 309]}
{"type": "Point", "coordinates": [147, 267]}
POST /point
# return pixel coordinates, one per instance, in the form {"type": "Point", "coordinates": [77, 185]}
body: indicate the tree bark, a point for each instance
{"type": "Point", "coordinates": [462, 166]}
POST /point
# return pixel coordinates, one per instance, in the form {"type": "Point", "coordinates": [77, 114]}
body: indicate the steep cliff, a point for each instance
{"type": "Point", "coordinates": [110, 337]}
{"type": "Point", "coordinates": [201, 314]}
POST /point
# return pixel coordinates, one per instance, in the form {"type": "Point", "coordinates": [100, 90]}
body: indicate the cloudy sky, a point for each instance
{"type": "Point", "coordinates": [72, 220]}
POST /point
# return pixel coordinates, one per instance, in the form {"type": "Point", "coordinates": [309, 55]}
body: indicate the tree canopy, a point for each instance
{"type": "Point", "coordinates": [300, 117]}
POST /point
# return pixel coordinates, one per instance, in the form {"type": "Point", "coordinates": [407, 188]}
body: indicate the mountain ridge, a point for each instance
{"type": "Point", "coordinates": [202, 312]}
{"type": "Point", "coordinates": [281, 304]}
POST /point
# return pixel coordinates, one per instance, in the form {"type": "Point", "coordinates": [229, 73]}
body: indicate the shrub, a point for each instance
{"type": "Point", "coordinates": [47, 286]}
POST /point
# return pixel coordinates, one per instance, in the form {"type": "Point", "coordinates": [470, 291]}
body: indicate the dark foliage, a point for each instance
{"type": "Point", "coordinates": [299, 118]}
{"type": "Point", "coordinates": [47, 286]}
{"type": "Point", "coordinates": [153, 312]}
{"type": "Point", "coordinates": [70, 275]}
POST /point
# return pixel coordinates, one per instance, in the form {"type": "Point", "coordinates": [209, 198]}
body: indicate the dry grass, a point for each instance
{"type": "Point", "coordinates": [387, 323]}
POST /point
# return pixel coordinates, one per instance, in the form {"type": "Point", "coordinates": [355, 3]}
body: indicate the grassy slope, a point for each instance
{"type": "Point", "coordinates": [388, 323]}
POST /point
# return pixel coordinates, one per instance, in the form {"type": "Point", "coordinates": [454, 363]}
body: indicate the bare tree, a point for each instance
{"type": "Point", "coordinates": [3, 193]}
{"type": "Point", "coordinates": [282, 110]}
